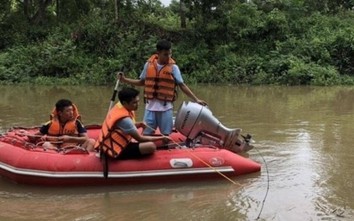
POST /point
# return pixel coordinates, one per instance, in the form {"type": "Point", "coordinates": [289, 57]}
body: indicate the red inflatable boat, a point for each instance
{"type": "Point", "coordinates": [207, 150]}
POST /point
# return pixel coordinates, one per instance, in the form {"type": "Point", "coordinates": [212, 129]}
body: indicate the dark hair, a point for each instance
{"type": "Point", "coordinates": [163, 45]}
{"type": "Point", "coordinates": [62, 104]}
{"type": "Point", "coordinates": [127, 94]}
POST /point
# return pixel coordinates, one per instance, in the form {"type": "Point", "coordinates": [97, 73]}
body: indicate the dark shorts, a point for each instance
{"type": "Point", "coordinates": [130, 152]}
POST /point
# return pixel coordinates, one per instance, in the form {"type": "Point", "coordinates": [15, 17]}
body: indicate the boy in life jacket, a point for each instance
{"type": "Point", "coordinates": [119, 128]}
{"type": "Point", "coordinates": [65, 129]}
{"type": "Point", "coordinates": [160, 78]}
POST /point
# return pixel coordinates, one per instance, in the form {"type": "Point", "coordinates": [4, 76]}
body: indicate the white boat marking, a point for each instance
{"type": "Point", "coordinates": [181, 162]}
{"type": "Point", "coordinates": [98, 174]}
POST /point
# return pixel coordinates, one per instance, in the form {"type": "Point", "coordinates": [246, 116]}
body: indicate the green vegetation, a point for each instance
{"type": "Point", "coordinates": [285, 42]}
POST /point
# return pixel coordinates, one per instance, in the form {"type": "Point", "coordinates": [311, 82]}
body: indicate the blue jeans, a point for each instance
{"type": "Point", "coordinates": [161, 119]}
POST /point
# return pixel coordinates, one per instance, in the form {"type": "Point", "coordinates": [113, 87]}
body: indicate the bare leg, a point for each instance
{"type": "Point", "coordinates": [89, 145]}
{"type": "Point", "coordinates": [47, 145]}
{"type": "Point", "coordinates": [147, 147]}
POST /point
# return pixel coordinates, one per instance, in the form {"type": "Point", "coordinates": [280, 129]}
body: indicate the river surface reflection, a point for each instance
{"type": "Point", "coordinates": [303, 133]}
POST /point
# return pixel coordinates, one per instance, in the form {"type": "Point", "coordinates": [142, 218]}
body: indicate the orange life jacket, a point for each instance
{"type": "Point", "coordinates": [70, 128]}
{"type": "Point", "coordinates": [112, 140]}
{"type": "Point", "coordinates": [160, 84]}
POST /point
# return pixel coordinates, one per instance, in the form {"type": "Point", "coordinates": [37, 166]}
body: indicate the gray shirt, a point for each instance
{"type": "Point", "coordinates": [126, 125]}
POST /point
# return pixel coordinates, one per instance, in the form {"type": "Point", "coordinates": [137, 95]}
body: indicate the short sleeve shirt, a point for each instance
{"type": "Point", "coordinates": [126, 125]}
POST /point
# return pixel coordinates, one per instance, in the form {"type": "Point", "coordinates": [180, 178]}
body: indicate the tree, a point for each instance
{"type": "Point", "coordinates": [182, 9]}
{"type": "Point", "coordinates": [329, 5]}
{"type": "Point", "coordinates": [116, 9]}
{"type": "Point", "coordinates": [35, 10]}
{"type": "Point", "coordinates": [5, 9]}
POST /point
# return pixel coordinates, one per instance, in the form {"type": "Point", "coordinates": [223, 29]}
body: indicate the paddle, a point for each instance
{"type": "Point", "coordinates": [103, 156]}
{"type": "Point", "coordinates": [114, 93]}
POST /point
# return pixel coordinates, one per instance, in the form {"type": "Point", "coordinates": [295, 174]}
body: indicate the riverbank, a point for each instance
{"type": "Point", "coordinates": [236, 43]}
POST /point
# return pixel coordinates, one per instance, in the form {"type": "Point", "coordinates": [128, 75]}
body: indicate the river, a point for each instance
{"type": "Point", "coordinates": [303, 140]}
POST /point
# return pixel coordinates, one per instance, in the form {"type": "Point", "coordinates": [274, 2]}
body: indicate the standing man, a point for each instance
{"type": "Point", "coordinates": [160, 78]}
{"type": "Point", "coordinates": [119, 128]}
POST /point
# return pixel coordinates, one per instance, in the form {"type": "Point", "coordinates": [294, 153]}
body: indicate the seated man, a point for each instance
{"type": "Point", "coordinates": [119, 128]}
{"type": "Point", "coordinates": [65, 129]}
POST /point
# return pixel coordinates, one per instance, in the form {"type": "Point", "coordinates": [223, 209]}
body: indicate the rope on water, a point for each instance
{"type": "Point", "coordinates": [266, 194]}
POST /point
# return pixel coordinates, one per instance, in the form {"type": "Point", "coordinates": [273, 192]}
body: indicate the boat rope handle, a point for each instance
{"type": "Point", "coordinates": [198, 158]}
{"type": "Point", "coordinates": [49, 138]}
{"type": "Point", "coordinates": [53, 140]}
{"type": "Point", "coordinates": [13, 140]}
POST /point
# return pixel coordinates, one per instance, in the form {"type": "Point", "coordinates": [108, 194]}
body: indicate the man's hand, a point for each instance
{"type": "Point", "coordinates": [201, 102]}
{"type": "Point", "coordinates": [43, 138]}
{"type": "Point", "coordinates": [120, 76]}
{"type": "Point", "coordinates": [64, 138]}
{"type": "Point", "coordinates": [166, 139]}
{"type": "Point", "coordinates": [140, 124]}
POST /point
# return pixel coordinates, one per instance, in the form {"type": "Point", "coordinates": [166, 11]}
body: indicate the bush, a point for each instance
{"type": "Point", "coordinates": [272, 42]}
{"type": "Point", "coordinates": [341, 51]}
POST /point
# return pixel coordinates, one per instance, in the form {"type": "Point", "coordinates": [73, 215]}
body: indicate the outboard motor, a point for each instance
{"type": "Point", "coordinates": [197, 122]}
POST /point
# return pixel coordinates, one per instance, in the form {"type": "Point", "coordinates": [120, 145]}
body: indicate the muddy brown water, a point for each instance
{"type": "Point", "coordinates": [304, 134]}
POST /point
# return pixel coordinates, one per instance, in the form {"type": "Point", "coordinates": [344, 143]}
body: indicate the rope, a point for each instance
{"type": "Point", "coordinates": [201, 160]}
{"type": "Point", "coordinates": [53, 140]}
{"type": "Point", "coordinates": [16, 141]}
{"type": "Point", "coordinates": [266, 194]}
{"type": "Point", "coordinates": [49, 138]}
